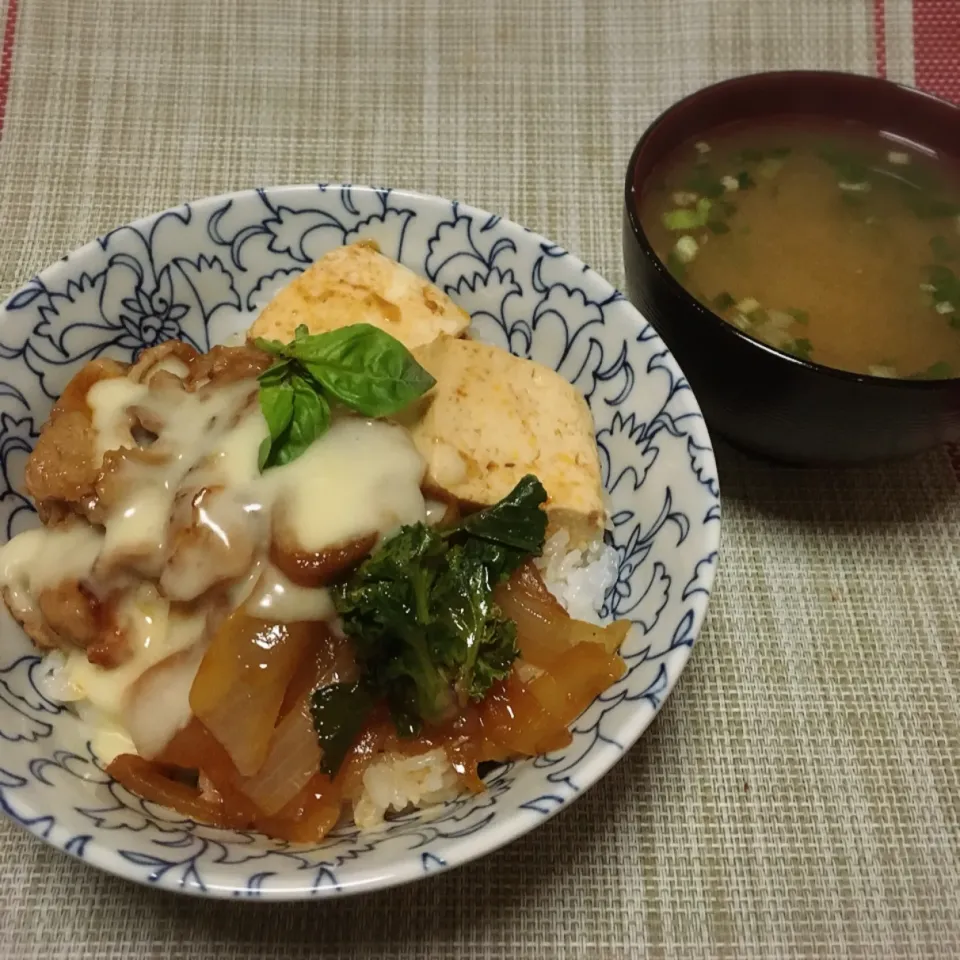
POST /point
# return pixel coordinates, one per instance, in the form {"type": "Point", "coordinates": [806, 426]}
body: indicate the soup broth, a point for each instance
{"type": "Point", "coordinates": [833, 243]}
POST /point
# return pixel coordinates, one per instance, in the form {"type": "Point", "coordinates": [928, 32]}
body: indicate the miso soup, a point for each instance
{"type": "Point", "coordinates": [836, 244]}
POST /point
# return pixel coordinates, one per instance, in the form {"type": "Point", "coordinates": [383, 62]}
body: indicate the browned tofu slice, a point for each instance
{"type": "Point", "coordinates": [357, 284]}
{"type": "Point", "coordinates": [492, 418]}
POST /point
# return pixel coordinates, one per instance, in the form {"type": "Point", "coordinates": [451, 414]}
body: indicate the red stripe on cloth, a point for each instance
{"type": "Point", "coordinates": [6, 57]}
{"type": "Point", "coordinates": [936, 47]}
{"type": "Point", "coordinates": [880, 37]}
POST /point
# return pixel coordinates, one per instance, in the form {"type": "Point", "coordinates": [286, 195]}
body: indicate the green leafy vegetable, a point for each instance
{"type": "Point", "coordinates": [420, 611]}
{"type": "Point", "coordinates": [364, 368]}
{"type": "Point", "coordinates": [681, 219]}
{"type": "Point", "coordinates": [296, 415]}
{"type": "Point", "coordinates": [705, 183]}
{"type": "Point", "coordinates": [475, 643]}
{"type": "Point", "coordinates": [800, 348]}
{"type": "Point", "coordinates": [359, 366]}
{"type": "Point", "coordinates": [515, 522]}
{"type": "Point", "coordinates": [339, 711]}
{"type": "Point", "coordinates": [686, 219]}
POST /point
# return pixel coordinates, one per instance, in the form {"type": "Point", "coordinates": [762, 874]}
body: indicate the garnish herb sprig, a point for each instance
{"type": "Point", "coordinates": [360, 366]}
{"type": "Point", "coordinates": [420, 613]}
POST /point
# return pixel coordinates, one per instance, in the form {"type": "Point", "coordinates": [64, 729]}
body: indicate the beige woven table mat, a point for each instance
{"type": "Point", "coordinates": [800, 793]}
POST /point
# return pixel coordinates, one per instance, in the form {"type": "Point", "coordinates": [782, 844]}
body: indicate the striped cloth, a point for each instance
{"type": "Point", "coordinates": [799, 796]}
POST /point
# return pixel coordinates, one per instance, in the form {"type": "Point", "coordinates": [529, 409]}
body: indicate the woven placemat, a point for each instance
{"type": "Point", "coordinates": [799, 795]}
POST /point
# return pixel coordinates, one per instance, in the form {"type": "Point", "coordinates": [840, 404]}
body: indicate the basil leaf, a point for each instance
{"type": "Point", "coordinates": [361, 366]}
{"type": "Point", "coordinates": [364, 368]}
{"type": "Point", "coordinates": [296, 414]}
{"type": "Point", "coordinates": [274, 347]}
{"type": "Point", "coordinates": [339, 712]}
{"type": "Point", "coordinates": [311, 418]}
{"type": "Point", "coordinates": [276, 405]}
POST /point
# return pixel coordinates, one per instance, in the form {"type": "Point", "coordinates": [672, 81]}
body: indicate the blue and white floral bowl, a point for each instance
{"type": "Point", "coordinates": [198, 272]}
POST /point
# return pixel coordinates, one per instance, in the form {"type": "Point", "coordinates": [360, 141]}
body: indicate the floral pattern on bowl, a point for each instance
{"type": "Point", "coordinates": [200, 272]}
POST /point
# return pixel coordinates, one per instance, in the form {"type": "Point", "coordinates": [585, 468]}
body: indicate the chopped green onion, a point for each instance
{"type": "Point", "coordinates": [702, 146]}
{"type": "Point", "coordinates": [704, 184]}
{"type": "Point", "coordinates": [849, 167]}
{"type": "Point", "coordinates": [936, 371]}
{"type": "Point", "coordinates": [882, 370]}
{"type": "Point", "coordinates": [748, 305]}
{"type": "Point", "coordinates": [745, 181]}
{"type": "Point", "coordinates": [801, 316]}
{"type": "Point", "coordinates": [681, 219]}
{"type": "Point", "coordinates": [684, 198]}
{"type": "Point", "coordinates": [730, 184]}
{"type": "Point", "coordinates": [723, 301]}
{"type": "Point", "coordinates": [676, 266]}
{"type": "Point", "coordinates": [740, 321]}
{"type": "Point", "coordinates": [944, 307]}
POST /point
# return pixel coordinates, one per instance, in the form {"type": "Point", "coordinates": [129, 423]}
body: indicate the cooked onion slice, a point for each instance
{"type": "Point", "coordinates": [293, 757]}
{"type": "Point", "coordinates": [308, 817]}
{"type": "Point", "coordinates": [158, 784]}
{"type": "Point", "coordinates": [241, 682]}
{"type": "Point", "coordinates": [579, 674]}
{"type": "Point", "coordinates": [544, 629]}
{"type": "Point", "coordinates": [158, 703]}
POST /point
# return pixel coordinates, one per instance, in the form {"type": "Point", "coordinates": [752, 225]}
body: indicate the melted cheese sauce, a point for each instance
{"type": "Point", "coordinates": [37, 559]}
{"type": "Point", "coordinates": [163, 542]}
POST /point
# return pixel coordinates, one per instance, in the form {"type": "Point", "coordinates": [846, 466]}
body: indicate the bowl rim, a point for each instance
{"type": "Point", "coordinates": [469, 848]}
{"type": "Point", "coordinates": [707, 315]}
